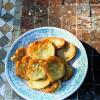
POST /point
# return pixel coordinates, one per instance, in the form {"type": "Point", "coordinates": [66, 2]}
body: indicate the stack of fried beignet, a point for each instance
{"type": "Point", "coordinates": [44, 63]}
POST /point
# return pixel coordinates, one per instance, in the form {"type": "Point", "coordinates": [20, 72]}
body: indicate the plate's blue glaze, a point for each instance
{"type": "Point", "coordinates": [80, 64]}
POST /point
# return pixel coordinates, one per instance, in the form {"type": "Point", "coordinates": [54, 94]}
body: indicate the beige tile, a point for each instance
{"type": "Point", "coordinates": [8, 6]}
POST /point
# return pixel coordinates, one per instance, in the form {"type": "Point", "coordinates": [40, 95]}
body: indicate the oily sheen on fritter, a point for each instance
{"type": "Point", "coordinates": [67, 52]}
{"type": "Point", "coordinates": [55, 69]}
{"type": "Point", "coordinates": [36, 69]}
{"type": "Point", "coordinates": [41, 50]}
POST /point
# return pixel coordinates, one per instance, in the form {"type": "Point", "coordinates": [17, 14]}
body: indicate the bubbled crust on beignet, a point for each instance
{"type": "Point", "coordinates": [36, 69]}
{"type": "Point", "coordinates": [67, 52]}
{"type": "Point", "coordinates": [20, 52]}
{"type": "Point", "coordinates": [55, 69]}
{"type": "Point", "coordinates": [22, 66]}
{"type": "Point", "coordinates": [57, 42]}
{"type": "Point", "coordinates": [53, 87]}
{"type": "Point", "coordinates": [39, 84]}
{"type": "Point", "coordinates": [41, 50]}
{"type": "Point", "coordinates": [69, 71]}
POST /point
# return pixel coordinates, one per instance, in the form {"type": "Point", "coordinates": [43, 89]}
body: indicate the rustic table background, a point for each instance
{"type": "Point", "coordinates": [80, 17]}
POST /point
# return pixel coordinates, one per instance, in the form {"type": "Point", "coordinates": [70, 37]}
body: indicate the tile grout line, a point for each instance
{"type": "Point", "coordinates": [34, 13]}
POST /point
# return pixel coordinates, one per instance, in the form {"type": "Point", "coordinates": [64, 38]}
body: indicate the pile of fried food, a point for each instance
{"type": "Point", "coordinates": [44, 63]}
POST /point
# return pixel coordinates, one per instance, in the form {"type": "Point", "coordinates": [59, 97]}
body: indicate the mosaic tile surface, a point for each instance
{"type": "Point", "coordinates": [80, 17]}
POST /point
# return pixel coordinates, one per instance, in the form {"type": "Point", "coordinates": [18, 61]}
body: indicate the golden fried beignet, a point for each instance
{"type": "Point", "coordinates": [55, 69]}
{"type": "Point", "coordinates": [69, 71]}
{"type": "Point", "coordinates": [41, 50]}
{"type": "Point", "coordinates": [21, 67]}
{"type": "Point", "coordinates": [20, 52]}
{"type": "Point", "coordinates": [57, 42]}
{"type": "Point", "coordinates": [53, 87]}
{"type": "Point", "coordinates": [39, 84]}
{"type": "Point", "coordinates": [67, 52]}
{"type": "Point", "coordinates": [36, 69]}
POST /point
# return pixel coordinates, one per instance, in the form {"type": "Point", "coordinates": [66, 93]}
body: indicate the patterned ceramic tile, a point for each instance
{"type": "Point", "coordinates": [7, 17]}
{"type": "Point", "coordinates": [4, 1]}
{"type": "Point", "coordinates": [2, 53]}
{"type": "Point", "coordinates": [2, 89]}
{"type": "Point", "coordinates": [15, 96]}
{"type": "Point", "coordinates": [12, 11]}
{"type": "Point", "coordinates": [1, 97]}
{"type": "Point", "coordinates": [3, 12]}
{"type": "Point", "coordinates": [9, 35]}
{"type": "Point", "coordinates": [1, 81]}
{"type": "Point", "coordinates": [10, 23]}
{"type": "Point", "coordinates": [0, 6]}
{"type": "Point", "coordinates": [1, 67]}
{"type": "Point", "coordinates": [2, 22]}
{"type": "Point", "coordinates": [3, 41]}
{"type": "Point", "coordinates": [5, 28]}
{"type": "Point", "coordinates": [1, 34]}
{"type": "Point", "coordinates": [8, 92]}
{"type": "Point", "coordinates": [3, 76]}
{"type": "Point", "coordinates": [13, 2]}
{"type": "Point", "coordinates": [8, 6]}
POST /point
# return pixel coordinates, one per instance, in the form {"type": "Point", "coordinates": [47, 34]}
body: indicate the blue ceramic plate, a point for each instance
{"type": "Point", "coordinates": [80, 65]}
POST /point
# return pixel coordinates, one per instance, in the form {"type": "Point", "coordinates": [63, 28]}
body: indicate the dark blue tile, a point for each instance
{"type": "Point", "coordinates": [2, 67]}
{"type": "Point", "coordinates": [90, 63]}
{"type": "Point", "coordinates": [95, 52]}
{"type": "Point", "coordinates": [88, 48]}
{"type": "Point", "coordinates": [96, 62]}
{"type": "Point", "coordinates": [96, 76]}
{"type": "Point", "coordinates": [89, 77]}
{"type": "Point", "coordinates": [72, 97]}
{"type": "Point", "coordinates": [3, 41]}
{"type": "Point", "coordinates": [2, 54]}
{"type": "Point", "coordinates": [7, 17]}
{"type": "Point", "coordinates": [86, 92]}
{"type": "Point", "coordinates": [97, 90]}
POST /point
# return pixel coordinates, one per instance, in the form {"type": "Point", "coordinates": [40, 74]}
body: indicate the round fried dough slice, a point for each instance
{"type": "Point", "coordinates": [39, 84]}
{"type": "Point", "coordinates": [57, 42]}
{"type": "Point", "coordinates": [53, 87]}
{"type": "Point", "coordinates": [69, 71]}
{"type": "Point", "coordinates": [41, 50]}
{"type": "Point", "coordinates": [20, 52]}
{"type": "Point", "coordinates": [21, 67]}
{"type": "Point", "coordinates": [36, 69]}
{"type": "Point", "coordinates": [55, 69]}
{"type": "Point", "coordinates": [67, 52]}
